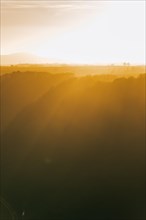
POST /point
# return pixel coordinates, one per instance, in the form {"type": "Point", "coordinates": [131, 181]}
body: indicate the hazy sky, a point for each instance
{"type": "Point", "coordinates": [75, 31]}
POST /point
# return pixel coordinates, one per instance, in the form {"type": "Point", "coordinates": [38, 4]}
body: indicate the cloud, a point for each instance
{"type": "Point", "coordinates": [46, 13]}
{"type": "Point", "coordinates": [68, 4]}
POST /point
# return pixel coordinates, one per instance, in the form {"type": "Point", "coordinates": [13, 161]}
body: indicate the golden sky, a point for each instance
{"type": "Point", "coordinates": [75, 31]}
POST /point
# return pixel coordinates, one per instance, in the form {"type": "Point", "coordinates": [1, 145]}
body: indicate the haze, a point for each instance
{"type": "Point", "coordinates": [75, 31]}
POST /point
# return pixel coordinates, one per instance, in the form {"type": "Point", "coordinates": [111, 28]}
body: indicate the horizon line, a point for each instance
{"type": "Point", "coordinates": [61, 62]}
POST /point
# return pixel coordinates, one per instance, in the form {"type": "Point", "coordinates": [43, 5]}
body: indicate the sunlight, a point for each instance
{"type": "Point", "coordinates": [113, 32]}
{"type": "Point", "coordinates": [111, 36]}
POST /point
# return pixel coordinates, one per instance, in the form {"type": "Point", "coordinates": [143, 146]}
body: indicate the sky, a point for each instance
{"type": "Point", "coordinates": [84, 31]}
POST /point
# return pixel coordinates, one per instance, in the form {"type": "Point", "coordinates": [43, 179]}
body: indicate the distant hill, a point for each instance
{"type": "Point", "coordinates": [23, 58]}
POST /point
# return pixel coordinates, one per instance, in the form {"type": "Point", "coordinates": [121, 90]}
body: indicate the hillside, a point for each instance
{"type": "Point", "coordinates": [22, 58]}
{"type": "Point", "coordinates": [75, 145]}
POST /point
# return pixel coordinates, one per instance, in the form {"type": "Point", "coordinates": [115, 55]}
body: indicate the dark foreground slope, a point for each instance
{"type": "Point", "coordinates": [78, 152]}
{"type": "Point", "coordinates": [21, 89]}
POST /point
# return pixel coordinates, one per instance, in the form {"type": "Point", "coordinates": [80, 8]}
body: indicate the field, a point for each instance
{"type": "Point", "coordinates": [73, 142]}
